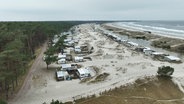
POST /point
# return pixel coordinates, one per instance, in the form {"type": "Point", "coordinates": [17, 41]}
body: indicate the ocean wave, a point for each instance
{"type": "Point", "coordinates": [161, 30]}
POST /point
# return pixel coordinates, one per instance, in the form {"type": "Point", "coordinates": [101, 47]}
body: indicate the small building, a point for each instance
{"type": "Point", "coordinates": [78, 59]}
{"type": "Point", "coordinates": [172, 59]}
{"type": "Point", "coordinates": [62, 75]}
{"type": "Point", "coordinates": [83, 73]}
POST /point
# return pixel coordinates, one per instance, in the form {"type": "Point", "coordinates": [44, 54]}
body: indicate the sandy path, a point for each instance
{"type": "Point", "coordinates": [28, 81]}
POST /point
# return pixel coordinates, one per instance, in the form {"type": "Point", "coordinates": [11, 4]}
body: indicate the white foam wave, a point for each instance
{"type": "Point", "coordinates": [161, 30]}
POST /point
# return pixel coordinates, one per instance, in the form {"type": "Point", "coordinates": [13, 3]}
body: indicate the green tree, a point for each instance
{"type": "Point", "coordinates": [18, 42]}
{"type": "Point", "coordinates": [6, 64]}
{"type": "Point", "coordinates": [49, 56]}
{"type": "Point", "coordinates": [60, 44]}
{"type": "Point", "coordinates": [16, 58]}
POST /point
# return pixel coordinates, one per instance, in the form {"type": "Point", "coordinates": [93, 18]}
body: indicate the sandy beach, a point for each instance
{"type": "Point", "coordinates": [123, 65]}
{"type": "Point", "coordinates": [157, 40]}
{"type": "Point", "coordinates": [134, 29]}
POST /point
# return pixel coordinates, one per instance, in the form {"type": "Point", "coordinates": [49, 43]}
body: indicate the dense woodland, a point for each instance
{"type": "Point", "coordinates": [18, 42]}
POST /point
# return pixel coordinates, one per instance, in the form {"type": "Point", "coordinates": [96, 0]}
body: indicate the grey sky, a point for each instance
{"type": "Point", "coordinates": [40, 10]}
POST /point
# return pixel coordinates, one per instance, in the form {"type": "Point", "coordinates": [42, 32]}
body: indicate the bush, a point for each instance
{"type": "Point", "coordinates": [56, 102]}
{"type": "Point", "coordinates": [165, 71]}
{"type": "Point", "coordinates": [3, 102]}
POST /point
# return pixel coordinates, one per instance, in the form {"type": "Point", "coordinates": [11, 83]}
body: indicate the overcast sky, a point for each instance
{"type": "Point", "coordinates": [41, 10]}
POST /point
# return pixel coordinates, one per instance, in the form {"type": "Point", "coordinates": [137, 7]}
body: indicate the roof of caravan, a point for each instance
{"type": "Point", "coordinates": [158, 53]}
{"type": "Point", "coordinates": [77, 46]}
{"type": "Point", "coordinates": [78, 58]}
{"type": "Point", "coordinates": [62, 60]}
{"type": "Point", "coordinates": [66, 65]}
{"type": "Point", "coordinates": [173, 58]}
{"type": "Point", "coordinates": [132, 43]}
{"type": "Point", "coordinates": [83, 71]}
{"type": "Point", "coordinates": [61, 55]}
{"type": "Point", "coordinates": [62, 73]}
{"type": "Point", "coordinates": [148, 49]}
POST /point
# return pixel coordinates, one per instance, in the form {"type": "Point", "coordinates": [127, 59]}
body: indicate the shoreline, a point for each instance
{"type": "Point", "coordinates": [139, 30]}
{"type": "Point", "coordinates": [174, 44]}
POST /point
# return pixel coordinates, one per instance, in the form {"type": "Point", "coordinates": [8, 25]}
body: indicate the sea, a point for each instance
{"type": "Point", "coordinates": [170, 28]}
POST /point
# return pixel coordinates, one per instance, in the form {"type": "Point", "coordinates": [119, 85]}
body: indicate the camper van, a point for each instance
{"type": "Point", "coordinates": [62, 75]}
{"type": "Point", "coordinates": [83, 73]}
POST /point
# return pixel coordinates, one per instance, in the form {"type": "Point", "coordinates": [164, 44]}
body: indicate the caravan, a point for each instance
{"type": "Point", "coordinates": [83, 73]}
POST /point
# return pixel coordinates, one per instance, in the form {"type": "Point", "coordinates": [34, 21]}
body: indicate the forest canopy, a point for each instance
{"type": "Point", "coordinates": [18, 42]}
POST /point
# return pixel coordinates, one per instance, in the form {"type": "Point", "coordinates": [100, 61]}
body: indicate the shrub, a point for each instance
{"type": "Point", "coordinates": [56, 102]}
{"type": "Point", "coordinates": [165, 71]}
{"type": "Point", "coordinates": [3, 102]}
{"type": "Point", "coordinates": [100, 77]}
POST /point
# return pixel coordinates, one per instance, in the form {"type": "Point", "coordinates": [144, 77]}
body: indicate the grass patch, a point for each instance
{"type": "Point", "coordinates": [151, 90]}
{"type": "Point", "coordinates": [161, 44]}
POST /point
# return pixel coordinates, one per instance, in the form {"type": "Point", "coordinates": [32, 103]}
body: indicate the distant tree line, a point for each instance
{"type": "Point", "coordinates": [18, 42]}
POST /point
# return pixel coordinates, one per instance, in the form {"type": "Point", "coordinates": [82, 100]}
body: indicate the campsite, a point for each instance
{"type": "Point", "coordinates": [98, 62]}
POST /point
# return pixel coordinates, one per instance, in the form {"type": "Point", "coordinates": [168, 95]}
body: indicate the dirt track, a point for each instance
{"type": "Point", "coordinates": [37, 65]}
